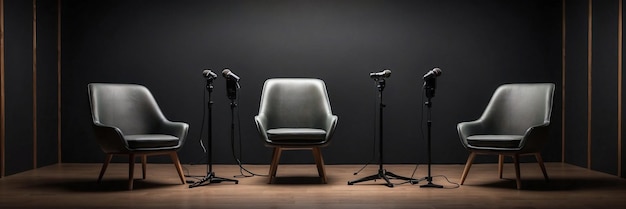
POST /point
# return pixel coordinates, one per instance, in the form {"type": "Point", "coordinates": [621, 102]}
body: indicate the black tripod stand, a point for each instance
{"type": "Point", "coordinates": [382, 173]}
{"type": "Point", "coordinates": [210, 177]}
{"type": "Point", "coordinates": [429, 88]}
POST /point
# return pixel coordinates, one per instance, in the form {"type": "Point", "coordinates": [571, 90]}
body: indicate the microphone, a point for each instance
{"type": "Point", "coordinates": [229, 75]}
{"type": "Point", "coordinates": [208, 74]}
{"type": "Point", "coordinates": [432, 73]}
{"type": "Point", "coordinates": [382, 74]}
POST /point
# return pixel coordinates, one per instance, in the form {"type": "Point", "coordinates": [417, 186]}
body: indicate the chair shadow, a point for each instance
{"type": "Point", "coordinates": [560, 184]}
{"type": "Point", "coordinates": [112, 185]}
{"type": "Point", "coordinates": [300, 180]}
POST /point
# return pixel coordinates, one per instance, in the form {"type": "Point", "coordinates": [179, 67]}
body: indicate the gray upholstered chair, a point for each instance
{"type": "Point", "coordinates": [128, 121]}
{"type": "Point", "coordinates": [295, 113]}
{"type": "Point", "coordinates": [516, 122]}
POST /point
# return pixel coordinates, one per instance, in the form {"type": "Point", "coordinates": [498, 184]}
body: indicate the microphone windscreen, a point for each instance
{"type": "Point", "coordinates": [225, 72]}
{"type": "Point", "coordinates": [437, 71]}
{"type": "Point", "coordinates": [387, 72]}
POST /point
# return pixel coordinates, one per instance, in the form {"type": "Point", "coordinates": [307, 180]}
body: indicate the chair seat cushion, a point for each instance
{"type": "Point", "coordinates": [151, 141]}
{"type": "Point", "coordinates": [499, 141]}
{"type": "Point", "coordinates": [295, 135]}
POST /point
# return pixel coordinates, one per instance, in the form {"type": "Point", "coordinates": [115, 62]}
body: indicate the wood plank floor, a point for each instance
{"type": "Point", "coordinates": [74, 186]}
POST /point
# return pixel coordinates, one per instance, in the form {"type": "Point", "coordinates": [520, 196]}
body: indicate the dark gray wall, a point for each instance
{"type": "Point", "coordinates": [604, 87]}
{"type": "Point", "coordinates": [18, 85]}
{"type": "Point", "coordinates": [576, 83]}
{"type": "Point", "coordinates": [166, 44]}
{"type": "Point", "coordinates": [47, 107]}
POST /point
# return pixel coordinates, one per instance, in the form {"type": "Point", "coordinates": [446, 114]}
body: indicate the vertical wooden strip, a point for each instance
{"type": "Point", "coordinates": [59, 81]}
{"type": "Point", "coordinates": [589, 82]}
{"type": "Point", "coordinates": [619, 89]}
{"type": "Point", "coordinates": [34, 83]}
{"type": "Point", "coordinates": [2, 103]}
{"type": "Point", "coordinates": [563, 83]}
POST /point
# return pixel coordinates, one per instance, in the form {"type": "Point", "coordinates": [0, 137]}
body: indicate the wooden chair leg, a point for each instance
{"type": "Point", "coordinates": [500, 165]}
{"type": "Point", "coordinates": [107, 160]}
{"type": "Point", "coordinates": [543, 167]}
{"type": "Point", "coordinates": [319, 161]}
{"type": "Point", "coordinates": [468, 165]}
{"type": "Point", "coordinates": [131, 170]}
{"type": "Point", "coordinates": [274, 164]}
{"type": "Point", "coordinates": [517, 172]}
{"type": "Point", "coordinates": [178, 166]}
{"type": "Point", "coordinates": [144, 160]}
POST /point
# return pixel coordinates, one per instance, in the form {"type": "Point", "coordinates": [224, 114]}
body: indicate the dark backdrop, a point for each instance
{"type": "Point", "coordinates": [18, 85]}
{"type": "Point", "coordinates": [164, 45]}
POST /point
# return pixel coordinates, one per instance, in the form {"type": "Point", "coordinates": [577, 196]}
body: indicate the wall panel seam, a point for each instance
{"type": "Point", "coordinates": [563, 36]}
{"type": "Point", "coordinates": [59, 154]}
{"type": "Point", "coordinates": [2, 101]}
{"type": "Point", "coordinates": [619, 87]}
{"type": "Point", "coordinates": [589, 81]}
{"type": "Point", "coordinates": [34, 84]}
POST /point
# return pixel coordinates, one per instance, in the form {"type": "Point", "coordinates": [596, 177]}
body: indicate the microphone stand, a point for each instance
{"type": "Point", "coordinates": [382, 173]}
{"type": "Point", "coordinates": [210, 177]}
{"type": "Point", "coordinates": [232, 86]}
{"type": "Point", "coordinates": [233, 104]}
{"type": "Point", "coordinates": [429, 87]}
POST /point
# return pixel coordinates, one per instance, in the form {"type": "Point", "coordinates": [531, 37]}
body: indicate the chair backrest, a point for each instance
{"type": "Point", "coordinates": [514, 108]}
{"type": "Point", "coordinates": [129, 107]}
{"type": "Point", "coordinates": [295, 103]}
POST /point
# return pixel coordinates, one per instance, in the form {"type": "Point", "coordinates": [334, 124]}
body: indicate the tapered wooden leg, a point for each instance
{"type": "Point", "coordinates": [179, 167]}
{"type": "Point", "coordinates": [517, 172]}
{"type": "Point", "coordinates": [144, 160]}
{"type": "Point", "coordinates": [543, 167]}
{"type": "Point", "coordinates": [274, 164]}
{"type": "Point", "coordinates": [107, 160]}
{"type": "Point", "coordinates": [500, 165]}
{"type": "Point", "coordinates": [319, 161]}
{"type": "Point", "coordinates": [131, 170]}
{"type": "Point", "coordinates": [468, 165]}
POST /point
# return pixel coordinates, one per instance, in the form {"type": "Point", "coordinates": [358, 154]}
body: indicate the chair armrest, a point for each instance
{"type": "Point", "coordinates": [178, 129]}
{"type": "Point", "coordinates": [330, 125]}
{"type": "Point", "coordinates": [535, 138]}
{"type": "Point", "coordinates": [110, 139]}
{"type": "Point", "coordinates": [261, 126]}
{"type": "Point", "coordinates": [466, 129]}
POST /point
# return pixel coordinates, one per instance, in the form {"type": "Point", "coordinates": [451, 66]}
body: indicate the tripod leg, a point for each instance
{"type": "Point", "coordinates": [367, 178]}
{"type": "Point", "coordinates": [383, 175]}
{"type": "Point", "coordinates": [207, 178]}
{"type": "Point", "coordinates": [394, 176]}
{"type": "Point", "coordinates": [380, 175]}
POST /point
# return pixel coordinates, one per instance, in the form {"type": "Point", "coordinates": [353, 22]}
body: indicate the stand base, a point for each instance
{"type": "Point", "coordinates": [430, 183]}
{"type": "Point", "coordinates": [211, 178]}
{"type": "Point", "coordinates": [382, 174]}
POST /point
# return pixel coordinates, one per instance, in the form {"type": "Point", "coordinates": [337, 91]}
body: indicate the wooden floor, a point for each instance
{"type": "Point", "coordinates": [74, 186]}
